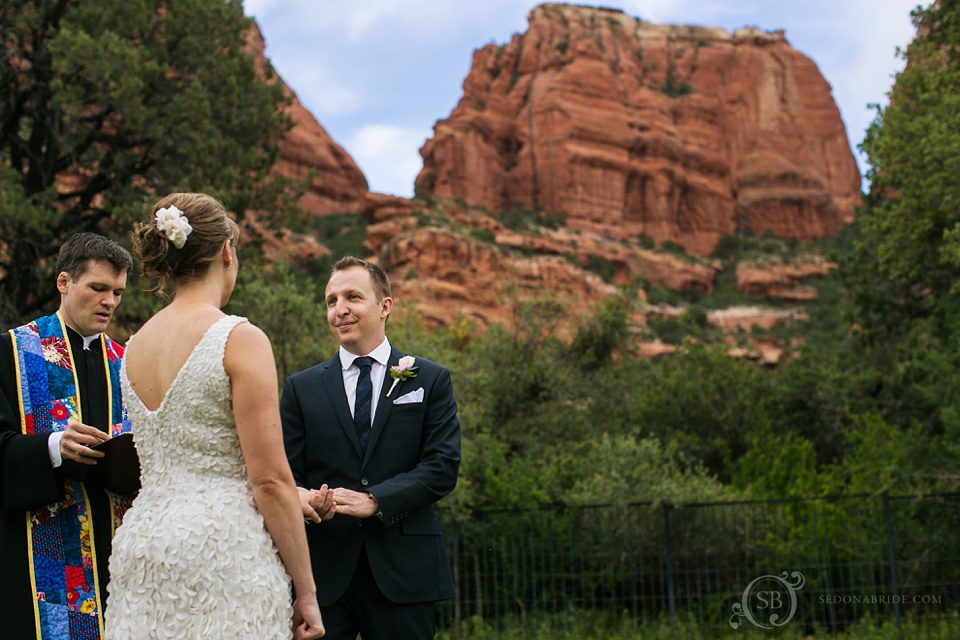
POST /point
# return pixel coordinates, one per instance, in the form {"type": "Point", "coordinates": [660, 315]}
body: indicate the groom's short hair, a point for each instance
{"type": "Point", "coordinates": [381, 283]}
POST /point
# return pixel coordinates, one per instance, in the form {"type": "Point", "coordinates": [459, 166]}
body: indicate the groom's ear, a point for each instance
{"type": "Point", "coordinates": [386, 306]}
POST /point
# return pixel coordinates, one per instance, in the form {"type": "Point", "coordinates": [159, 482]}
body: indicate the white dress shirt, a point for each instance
{"type": "Point", "coordinates": [378, 371]}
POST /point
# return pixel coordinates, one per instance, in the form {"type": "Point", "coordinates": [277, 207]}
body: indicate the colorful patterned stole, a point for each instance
{"type": "Point", "coordinates": [61, 548]}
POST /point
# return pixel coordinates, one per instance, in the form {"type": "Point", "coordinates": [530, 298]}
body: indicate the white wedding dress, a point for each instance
{"type": "Point", "coordinates": [192, 558]}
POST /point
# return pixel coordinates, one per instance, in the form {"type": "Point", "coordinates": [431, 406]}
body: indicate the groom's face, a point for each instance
{"type": "Point", "coordinates": [355, 315]}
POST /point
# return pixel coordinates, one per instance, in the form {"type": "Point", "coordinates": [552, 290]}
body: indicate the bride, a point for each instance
{"type": "Point", "coordinates": [212, 542]}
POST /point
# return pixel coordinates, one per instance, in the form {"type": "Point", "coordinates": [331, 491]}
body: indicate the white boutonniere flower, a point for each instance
{"type": "Point", "coordinates": [403, 370]}
{"type": "Point", "coordinates": [173, 224]}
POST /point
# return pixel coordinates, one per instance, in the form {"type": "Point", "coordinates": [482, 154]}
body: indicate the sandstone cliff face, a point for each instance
{"type": "Point", "coordinates": [453, 263]}
{"type": "Point", "coordinates": [630, 128]}
{"type": "Point", "coordinates": [337, 184]}
{"type": "Point", "coordinates": [448, 274]}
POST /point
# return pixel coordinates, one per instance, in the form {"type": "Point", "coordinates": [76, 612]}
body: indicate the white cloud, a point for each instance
{"type": "Point", "coordinates": [324, 94]}
{"type": "Point", "coordinates": [388, 155]}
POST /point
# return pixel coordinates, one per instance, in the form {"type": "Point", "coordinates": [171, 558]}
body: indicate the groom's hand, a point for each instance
{"type": "Point", "coordinates": [354, 503]}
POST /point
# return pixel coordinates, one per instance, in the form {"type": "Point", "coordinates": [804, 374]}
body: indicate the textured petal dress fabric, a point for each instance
{"type": "Point", "coordinates": [193, 558]}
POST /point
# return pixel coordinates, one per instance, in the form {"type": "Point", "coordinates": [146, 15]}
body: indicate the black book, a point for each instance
{"type": "Point", "coordinates": [118, 471]}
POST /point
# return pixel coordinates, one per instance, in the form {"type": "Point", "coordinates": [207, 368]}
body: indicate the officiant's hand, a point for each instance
{"type": "Point", "coordinates": [317, 504]}
{"type": "Point", "coordinates": [307, 623]}
{"type": "Point", "coordinates": [76, 442]}
{"type": "Point", "coordinates": [354, 503]}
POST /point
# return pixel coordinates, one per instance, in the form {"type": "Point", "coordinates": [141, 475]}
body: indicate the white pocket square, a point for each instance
{"type": "Point", "coordinates": [410, 398]}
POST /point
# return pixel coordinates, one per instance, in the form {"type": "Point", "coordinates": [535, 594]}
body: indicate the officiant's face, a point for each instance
{"type": "Point", "coordinates": [87, 303]}
{"type": "Point", "coordinates": [355, 315]}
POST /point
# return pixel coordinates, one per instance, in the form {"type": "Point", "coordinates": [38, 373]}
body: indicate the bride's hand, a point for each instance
{"type": "Point", "coordinates": [323, 503]}
{"type": "Point", "coordinates": [306, 499]}
{"type": "Point", "coordinates": [307, 623]}
{"type": "Point", "coordinates": [317, 504]}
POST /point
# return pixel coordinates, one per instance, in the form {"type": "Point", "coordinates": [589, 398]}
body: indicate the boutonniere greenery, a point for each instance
{"type": "Point", "coordinates": [403, 370]}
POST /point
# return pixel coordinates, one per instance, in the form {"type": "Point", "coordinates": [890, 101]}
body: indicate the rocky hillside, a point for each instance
{"type": "Point", "coordinates": [455, 263]}
{"type": "Point", "coordinates": [597, 154]}
{"type": "Point", "coordinates": [634, 129]}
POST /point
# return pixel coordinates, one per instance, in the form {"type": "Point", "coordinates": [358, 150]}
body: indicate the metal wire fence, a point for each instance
{"type": "Point", "coordinates": [823, 565]}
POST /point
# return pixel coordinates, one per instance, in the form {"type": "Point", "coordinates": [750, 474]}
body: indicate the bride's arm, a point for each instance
{"type": "Point", "coordinates": [253, 376]}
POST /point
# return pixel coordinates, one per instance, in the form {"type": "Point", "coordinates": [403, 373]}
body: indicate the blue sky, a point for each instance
{"type": "Point", "coordinates": [379, 73]}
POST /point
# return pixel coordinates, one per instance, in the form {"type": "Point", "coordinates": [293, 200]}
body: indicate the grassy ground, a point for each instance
{"type": "Point", "coordinates": [589, 627]}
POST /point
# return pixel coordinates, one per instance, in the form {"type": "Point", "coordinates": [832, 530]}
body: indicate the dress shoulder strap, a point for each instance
{"type": "Point", "coordinates": [220, 332]}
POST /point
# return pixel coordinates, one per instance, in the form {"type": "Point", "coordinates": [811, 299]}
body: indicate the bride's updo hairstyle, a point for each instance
{"type": "Point", "coordinates": [181, 239]}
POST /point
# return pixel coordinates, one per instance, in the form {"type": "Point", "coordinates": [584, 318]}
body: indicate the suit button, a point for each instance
{"type": "Point", "coordinates": [359, 523]}
{"type": "Point", "coordinates": [364, 481]}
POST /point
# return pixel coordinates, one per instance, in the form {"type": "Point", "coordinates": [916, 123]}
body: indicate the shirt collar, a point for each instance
{"type": "Point", "coordinates": [87, 340]}
{"type": "Point", "coordinates": [381, 354]}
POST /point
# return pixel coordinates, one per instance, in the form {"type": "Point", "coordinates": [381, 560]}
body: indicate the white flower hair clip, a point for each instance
{"type": "Point", "coordinates": [172, 223]}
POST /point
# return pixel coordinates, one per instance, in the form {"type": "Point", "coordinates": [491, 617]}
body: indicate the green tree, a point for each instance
{"type": "Point", "coordinates": [909, 256]}
{"type": "Point", "coordinates": [626, 468]}
{"type": "Point", "coordinates": [289, 308]}
{"type": "Point", "coordinates": [104, 105]}
{"type": "Point", "coordinates": [904, 270]}
{"type": "Point", "coordinates": [601, 335]}
{"type": "Point", "coordinates": [705, 403]}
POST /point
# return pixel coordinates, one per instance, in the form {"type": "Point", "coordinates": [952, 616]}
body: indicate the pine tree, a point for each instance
{"type": "Point", "coordinates": [106, 105]}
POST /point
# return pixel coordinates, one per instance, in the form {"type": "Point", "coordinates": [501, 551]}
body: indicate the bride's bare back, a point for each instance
{"type": "Point", "coordinates": [162, 346]}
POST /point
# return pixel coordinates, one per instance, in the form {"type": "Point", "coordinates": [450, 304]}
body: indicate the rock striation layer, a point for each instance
{"type": "Point", "coordinates": [774, 278]}
{"type": "Point", "coordinates": [635, 129]}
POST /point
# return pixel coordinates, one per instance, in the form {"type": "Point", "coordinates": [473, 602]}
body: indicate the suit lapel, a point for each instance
{"type": "Point", "coordinates": [333, 385]}
{"type": "Point", "coordinates": [384, 404]}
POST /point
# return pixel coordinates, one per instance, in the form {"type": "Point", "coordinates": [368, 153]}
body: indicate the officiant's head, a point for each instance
{"type": "Point", "coordinates": [188, 238]}
{"type": "Point", "coordinates": [358, 303]}
{"type": "Point", "coordinates": [91, 276]}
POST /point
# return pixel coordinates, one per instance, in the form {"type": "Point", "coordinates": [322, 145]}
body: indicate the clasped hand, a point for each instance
{"type": "Point", "coordinates": [76, 442]}
{"type": "Point", "coordinates": [321, 504]}
{"type": "Point", "coordinates": [317, 504]}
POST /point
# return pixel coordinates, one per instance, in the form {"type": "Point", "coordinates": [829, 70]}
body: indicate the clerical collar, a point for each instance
{"type": "Point", "coordinates": [87, 340]}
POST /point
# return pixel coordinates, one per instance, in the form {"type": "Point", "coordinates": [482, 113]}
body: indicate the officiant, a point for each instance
{"type": "Point", "coordinates": [59, 397]}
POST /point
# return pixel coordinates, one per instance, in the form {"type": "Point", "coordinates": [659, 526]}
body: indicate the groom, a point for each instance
{"type": "Point", "coordinates": [387, 440]}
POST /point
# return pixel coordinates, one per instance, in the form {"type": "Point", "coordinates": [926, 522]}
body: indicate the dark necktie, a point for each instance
{"type": "Point", "coordinates": [363, 401]}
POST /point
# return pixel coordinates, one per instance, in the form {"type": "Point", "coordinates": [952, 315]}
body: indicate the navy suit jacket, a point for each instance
{"type": "Point", "coordinates": [412, 460]}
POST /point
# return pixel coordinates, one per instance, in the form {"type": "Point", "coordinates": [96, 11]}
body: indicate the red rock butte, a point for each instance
{"type": "Point", "coordinates": [679, 133]}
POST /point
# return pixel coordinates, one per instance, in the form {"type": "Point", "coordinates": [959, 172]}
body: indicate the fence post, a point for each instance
{"type": "Point", "coordinates": [892, 556]}
{"type": "Point", "coordinates": [668, 559]}
{"type": "Point", "coordinates": [458, 593]}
